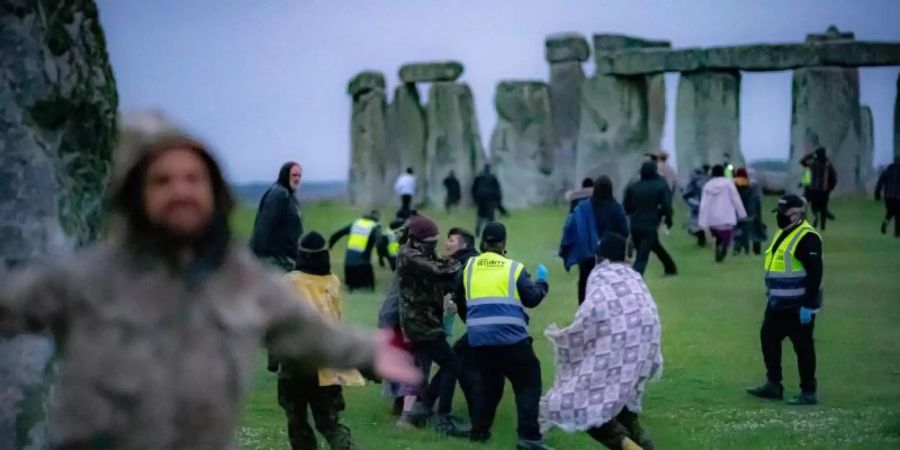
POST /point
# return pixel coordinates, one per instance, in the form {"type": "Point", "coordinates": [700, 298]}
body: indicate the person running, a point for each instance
{"type": "Point", "coordinates": [822, 181]}
{"type": "Point", "coordinates": [607, 355]}
{"type": "Point", "coordinates": [454, 191]}
{"type": "Point", "coordinates": [488, 197]}
{"type": "Point", "coordinates": [496, 291]}
{"type": "Point", "coordinates": [888, 186]}
{"type": "Point", "coordinates": [278, 226]}
{"type": "Point", "coordinates": [692, 193]}
{"type": "Point", "coordinates": [364, 234]}
{"type": "Point", "coordinates": [159, 325]}
{"type": "Point", "coordinates": [720, 210]}
{"type": "Point", "coordinates": [302, 389]}
{"type": "Point", "coordinates": [576, 196]}
{"type": "Point", "coordinates": [647, 203]}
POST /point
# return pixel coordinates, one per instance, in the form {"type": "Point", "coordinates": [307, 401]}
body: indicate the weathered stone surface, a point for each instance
{"type": "Point", "coordinates": [406, 136]}
{"type": "Point", "coordinates": [566, 79]}
{"type": "Point", "coordinates": [707, 119]}
{"type": "Point", "coordinates": [566, 47]}
{"type": "Point", "coordinates": [762, 57]}
{"type": "Point", "coordinates": [825, 113]}
{"type": "Point", "coordinates": [431, 71]}
{"type": "Point", "coordinates": [58, 106]}
{"type": "Point", "coordinates": [454, 140]}
{"type": "Point", "coordinates": [866, 176]}
{"type": "Point", "coordinates": [615, 132]}
{"type": "Point", "coordinates": [522, 150]}
{"type": "Point", "coordinates": [830, 35]}
{"type": "Point", "coordinates": [364, 82]}
{"type": "Point", "coordinates": [368, 183]}
{"type": "Point", "coordinates": [616, 42]}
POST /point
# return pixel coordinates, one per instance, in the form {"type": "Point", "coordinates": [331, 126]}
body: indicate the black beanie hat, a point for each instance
{"type": "Point", "coordinates": [313, 257]}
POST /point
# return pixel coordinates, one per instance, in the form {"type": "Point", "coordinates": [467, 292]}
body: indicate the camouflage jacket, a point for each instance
{"type": "Point", "coordinates": [424, 280]}
{"type": "Point", "coordinates": [149, 362]}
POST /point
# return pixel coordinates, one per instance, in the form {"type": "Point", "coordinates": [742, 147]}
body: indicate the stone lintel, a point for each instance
{"type": "Point", "coordinates": [429, 72]}
{"type": "Point", "coordinates": [564, 47]}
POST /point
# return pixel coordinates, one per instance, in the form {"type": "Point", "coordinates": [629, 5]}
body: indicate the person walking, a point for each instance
{"type": "Point", "coordinates": [590, 220]}
{"type": "Point", "coordinates": [794, 270]}
{"type": "Point", "coordinates": [888, 187]}
{"type": "Point", "coordinates": [576, 196]}
{"type": "Point", "coordinates": [278, 226]}
{"type": "Point", "coordinates": [364, 233]}
{"type": "Point", "coordinates": [823, 179]}
{"type": "Point", "coordinates": [692, 193]}
{"type": "Point", "coordinates": [720, 210]}
{"type": "Point", "coordinates": [496, 291]}
{"type": "Point", "coordinates": [160, 324]}
{"type": "Point", "coordinates": [303, 389]}
{"type": "Point", "coordinates": [647, 203]}
{"type": "Point", "coordinates": [405, 188]}
{"type": "Point", "coordinates": [618, 312]}
{"type": "Point", "coordinates": [751, 231]}
{"type": "Point", "coordinates": [454, 191]}
{"type": "Point", "coordinates": [488, 197]}
{"type": "Point", "coordinates": [424, 280]}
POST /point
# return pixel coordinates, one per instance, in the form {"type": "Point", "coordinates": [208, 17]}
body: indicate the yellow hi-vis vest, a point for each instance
{"type": "Point", "coordinates": [393, 247]}
{"type": "Point", "coordinates": [806, 178]}
{"type": "Point", "coordinates": [785, 275]}
{"type": "Point", "coordinates": [494, 312]}
{"type": "Point", "coordinates": [359, 234]}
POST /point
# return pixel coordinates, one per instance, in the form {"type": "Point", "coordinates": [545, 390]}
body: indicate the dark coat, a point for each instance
{"type": "Point", "coordinates": [751, 197]}
{"type": "Point", "coordinates": [278, 225]}
{"type": "Point", "coordinates": [424, 280]}
{"type": "Point", "coordinates": [648, 201]}
{"type": "Point", "coordinates": [824, 177]}
{"type": "Point", "coordinates": [585, 226]}
{"type": "Point", "coordinates": [889, 183]}
{"type": "Point", "coordinates": [454, 191]}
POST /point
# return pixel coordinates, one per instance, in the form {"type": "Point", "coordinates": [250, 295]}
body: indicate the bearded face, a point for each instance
{"type": "Point", "coordinates": [178, 193]}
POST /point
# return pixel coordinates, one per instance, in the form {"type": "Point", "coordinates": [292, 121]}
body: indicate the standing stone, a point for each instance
{"type": "Point", "coordinates": [406, 136]}
{"type": "Point", "coordinates": [707, 119]}
{"type": "Point", "coordinates": [866, 174]}
{"type": "Point", "coordinates": [522, 150]}
{"type": "Point", "coordinates": [368, 185]}
{"type": "Point", "coordinates": [566, 53]}
{"type": "Point", "coordinates": [897, 119]}
{"type": "Point", "coordinates": [453, 142]}
{"type": "Point", "coordinates": [58, 106]}
{"type": "Point", "coordinates": [622, 117]}
{"type": "Point", "coordinates": [429, 72]}
{"type": "Point", "coordinates": [825, 113]}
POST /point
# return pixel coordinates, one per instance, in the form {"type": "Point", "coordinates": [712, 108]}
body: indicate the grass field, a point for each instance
{"type": "Point", "coordinates": [711, 316]}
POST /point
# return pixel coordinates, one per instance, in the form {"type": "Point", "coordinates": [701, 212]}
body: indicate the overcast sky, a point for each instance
{"type": "Point", "coordinates": [265, 81]}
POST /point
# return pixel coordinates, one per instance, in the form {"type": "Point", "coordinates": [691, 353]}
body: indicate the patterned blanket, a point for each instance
{"type": "Point", "coordinates": [605, 357]}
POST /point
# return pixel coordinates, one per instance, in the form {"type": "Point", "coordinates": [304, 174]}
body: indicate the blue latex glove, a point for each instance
{"type": "Point", "coordinates": [806, 315]}
{"type": "Point", "coordinates": [541, 273]}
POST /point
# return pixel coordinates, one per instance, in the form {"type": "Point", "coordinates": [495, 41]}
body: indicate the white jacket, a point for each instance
{"type": "Point", "coordinates": [405, 184]}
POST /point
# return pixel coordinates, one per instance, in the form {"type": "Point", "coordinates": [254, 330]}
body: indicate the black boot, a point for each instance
{"type": "Point", "coordinates": [804, 399]}
{"type": "Point", "coordinates": [771, 391]}
{"type": "Point", "coordinates": [884, 227]}
{"type": "Point", "coordinates": [446, 426]}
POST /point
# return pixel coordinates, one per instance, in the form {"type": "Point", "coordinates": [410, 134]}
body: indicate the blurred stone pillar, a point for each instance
{"type": "Point", "coordinates": [367, 183]}
{"type": "Point", "coordinates": [707, 119]}
{"type": "Point", "coordinates": [566, 52]}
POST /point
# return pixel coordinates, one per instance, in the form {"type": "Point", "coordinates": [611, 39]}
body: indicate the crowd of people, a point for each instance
{"type": "Point", "coordinates": [161, 322]}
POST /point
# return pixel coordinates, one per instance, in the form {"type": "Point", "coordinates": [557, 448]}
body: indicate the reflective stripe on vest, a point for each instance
{"type": "Point", "coordinates": [393, 247]}
{"type": "Point", "coordinates": [785, 275]}
{"type": "Point", "coordinates": [494, 313]}
{"type": "Point", "coordinates": [359, 234]}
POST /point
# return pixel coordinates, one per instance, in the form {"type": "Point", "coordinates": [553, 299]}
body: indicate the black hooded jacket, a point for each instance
{"type": "Point", "coordinates": [278, 225]}
{"type": "Point", "coordinates": [648, 201]}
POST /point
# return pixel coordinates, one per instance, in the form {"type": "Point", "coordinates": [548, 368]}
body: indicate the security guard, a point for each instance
{"type": "Point", "coordinates": [496, 291]}
{"type": "Point", "coordinates": [363, 234]}
{"type": "Point", "coordinates": [794, 289]}
{"type": "Point", "coordinates": [389, 244]}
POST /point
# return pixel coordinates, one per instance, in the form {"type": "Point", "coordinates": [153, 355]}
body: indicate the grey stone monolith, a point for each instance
{"type": "Point", "coordinates": [866, 174]}
{"type": "Point", "coordinates": [453, 139]}
{"type": "Point", "coordinates": [368, 184]}
{"type": "Point", "coordinates": [58, 105]}
{"type": "Point", "coordinates": [707, 119]}
{"type": "Point", "coordinates": [429, 72]}
{"type": "Point", "coordinates": [897, 119]}
{"type": "Point", "coordinates": [406, 136]}
{"type": "Point", "coordinates": [826, 113]}
{"type": "Point", "coordinates": [522, 144]}
{"type": "Point", "coordinates": [566, 53]}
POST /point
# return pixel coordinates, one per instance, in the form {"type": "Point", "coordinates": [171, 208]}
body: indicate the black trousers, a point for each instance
{"type": "Point", "coordinates": [469, 377]}
{"type": "Point", "coordinates": [778, 325]}
{"type": "Point", "coordinates": [485, 213]}
{"type": "Point", "coordinates": [624, 425]}
{"type": "Point", "coordinates": [818, 202]}
{"type": "Point", "coordinates": [892, 211]}
{"type": "Point", "coordinates": [405, 204]}
{"type": "Point", "coordinates": [584, 272]}
{"type": "Point", "coordinates": [440, 389]}
{"type": "Point", "coordinates": [646, 241]}
{"type": "Point", "coordinates": [359, 276]}
{"type": "Point", "coordinates": [520, 365]}
{"type": "Point", "coordinates": [299, 393]}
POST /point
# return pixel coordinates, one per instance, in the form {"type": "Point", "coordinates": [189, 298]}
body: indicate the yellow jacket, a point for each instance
{"type": "Point", "coordinates": [324, 294]}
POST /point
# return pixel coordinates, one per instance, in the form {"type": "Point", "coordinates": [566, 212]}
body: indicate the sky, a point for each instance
{"type": "Point", "coordinates": [264, 81]}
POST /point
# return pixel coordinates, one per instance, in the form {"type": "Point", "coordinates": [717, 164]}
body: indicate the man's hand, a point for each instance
{"type": "Point", "coordinates": [806, 315]}
{"type": "Point", "coordinates": [392, 363]}
{"type": "Point", "coordinates": [541, 273]}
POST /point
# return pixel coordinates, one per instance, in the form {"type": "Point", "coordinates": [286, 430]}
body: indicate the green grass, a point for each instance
{"type": "Point", "coordinates": [711, 316]}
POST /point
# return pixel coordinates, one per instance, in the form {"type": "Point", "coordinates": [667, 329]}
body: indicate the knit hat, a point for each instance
{"type": "Point", "coordinates": [312, 242]}
{"type": "Point", "coordinates": [421, 228]}
{"type": "Point", "coordinates": [313, 257]}
{"type": "Point", "coordinates": [741, 172]}
{"type": "Point", "coordinates": [494, 233]}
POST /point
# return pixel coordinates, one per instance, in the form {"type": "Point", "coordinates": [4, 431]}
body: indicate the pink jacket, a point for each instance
{"type": "Point", "coordinates": [720, 204]}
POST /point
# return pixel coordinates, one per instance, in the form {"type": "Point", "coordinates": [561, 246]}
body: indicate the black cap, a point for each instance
{"type": "Point", "coordinates": [788, 202]}
{"type": "Point", "coordinates": [494, 233]}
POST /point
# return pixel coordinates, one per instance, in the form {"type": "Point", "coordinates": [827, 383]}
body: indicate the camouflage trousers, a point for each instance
{"type": "Point", "coordinates": [298, 395]}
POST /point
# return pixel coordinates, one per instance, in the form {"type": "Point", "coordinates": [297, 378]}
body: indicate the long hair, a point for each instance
{"type": "Point", "coordinates": [603, 191]}
{"type": "Point", "coordinates": [284, 175]}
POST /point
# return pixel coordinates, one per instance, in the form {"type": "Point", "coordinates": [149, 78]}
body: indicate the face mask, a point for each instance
{"type": "Point", "coordinates": [783, 220]}
{"type": "Point", "coordinates": [430, 247]}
